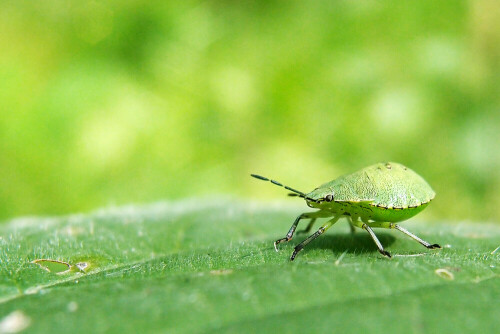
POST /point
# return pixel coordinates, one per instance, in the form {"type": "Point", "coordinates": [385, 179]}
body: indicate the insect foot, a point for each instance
{"type": "Point", "coordinates": [280, 241]}
{"type": "Point", "coordinates": [313, 236]}
{"type": "Point", "coordinates": [295, 252]}
{"type": "Point", "coordinates": [385, 253]}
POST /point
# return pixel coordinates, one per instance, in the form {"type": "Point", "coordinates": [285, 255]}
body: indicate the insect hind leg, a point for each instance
{"type": "Point", "coordinates": [414, 237]}
{"type": "Point", "coordinates": [405, 231]}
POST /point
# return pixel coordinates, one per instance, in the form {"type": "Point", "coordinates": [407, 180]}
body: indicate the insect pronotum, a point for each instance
{"type": "Point", "coordinates": [376, 196]}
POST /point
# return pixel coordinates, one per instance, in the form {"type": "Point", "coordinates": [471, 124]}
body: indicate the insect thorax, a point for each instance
{"type": "Point", "coordinates": [342, 207]}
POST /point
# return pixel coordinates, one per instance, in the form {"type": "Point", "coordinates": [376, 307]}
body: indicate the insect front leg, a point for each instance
{"type": "Point", "coordinates": [306, 215]}
{"type": "Point", "coordinates": [313, 236]}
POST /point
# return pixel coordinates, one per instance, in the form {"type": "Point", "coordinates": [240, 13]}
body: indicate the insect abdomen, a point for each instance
{"type": "Point", "coordinates": [393, 215]}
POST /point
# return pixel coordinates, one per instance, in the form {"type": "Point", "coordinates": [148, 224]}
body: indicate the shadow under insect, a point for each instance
{"type": "Point", "coordinates": [340, 243]}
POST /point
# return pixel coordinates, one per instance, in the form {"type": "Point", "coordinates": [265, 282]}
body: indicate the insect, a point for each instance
{"type": "Point", "coordinates": [376, 196]}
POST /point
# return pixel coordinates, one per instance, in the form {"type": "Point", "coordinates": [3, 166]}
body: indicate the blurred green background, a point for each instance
{"type": "Point", "coordinates": [107, 103]}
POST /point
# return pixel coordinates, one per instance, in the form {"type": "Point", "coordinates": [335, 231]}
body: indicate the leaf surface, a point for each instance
{"type": "Point", "coordinates": [200, 266]}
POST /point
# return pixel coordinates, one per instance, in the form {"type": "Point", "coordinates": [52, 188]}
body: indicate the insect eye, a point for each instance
{"type": "Point", "coordinates": [328, 198]}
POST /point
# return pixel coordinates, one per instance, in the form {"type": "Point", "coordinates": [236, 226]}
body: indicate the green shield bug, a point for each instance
{"type": "Point", "coordinates": [377, 196]}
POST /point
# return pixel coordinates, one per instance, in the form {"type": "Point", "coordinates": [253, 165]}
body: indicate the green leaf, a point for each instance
{"type": "Point", "coordinates": [201, 266]}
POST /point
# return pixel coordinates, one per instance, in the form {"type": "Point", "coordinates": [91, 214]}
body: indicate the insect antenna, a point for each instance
{"type": "Point", "coordinates": [295, 192]}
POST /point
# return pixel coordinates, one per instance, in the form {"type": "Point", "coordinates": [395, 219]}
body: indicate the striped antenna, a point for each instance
{"type": "Point", "coordinates": [295, 192]}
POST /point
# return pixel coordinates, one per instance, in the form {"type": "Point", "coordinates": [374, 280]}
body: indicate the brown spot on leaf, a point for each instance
{"type": "Point", "coordinates": [445, 273]}
{"type": "Point", "coordinates": [53, 266]}
{"type": "Point", "coordinates": [221, 272]}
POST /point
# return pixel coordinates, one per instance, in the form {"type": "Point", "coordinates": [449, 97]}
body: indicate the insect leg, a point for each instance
{"type": "Point", "coordinates": [309, 226]}
{"type": "Point", "coordinates": [313, 236]}
{"type": "Point", "coordinates": [352, 219]}
{"type": "Point", "coordinates": [289, 235]}
{"type": "Point", "coordinates": [377, 242]}
{"type": "Point", "coordinates": [414, 237]}
{"type": "Point", "coordinates": [353, 230]}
